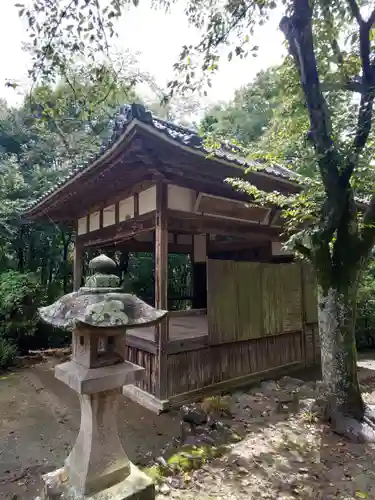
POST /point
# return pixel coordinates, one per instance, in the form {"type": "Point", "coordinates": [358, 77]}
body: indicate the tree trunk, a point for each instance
{"type": "Point", "coordinates": [337, 310]}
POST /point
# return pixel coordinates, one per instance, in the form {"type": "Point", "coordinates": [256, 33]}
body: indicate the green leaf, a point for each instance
{"type": "Point", "coordinates": [361, 494]}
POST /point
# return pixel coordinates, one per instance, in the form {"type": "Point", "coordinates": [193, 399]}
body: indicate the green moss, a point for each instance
{"type": "Point", "coordinates": [156, 473]}
{"type": "Point", "coordinates": [236, 437]}
{"type": "Point", "coordinates": [219, 405]}
{"type": "Point", "coordinates": [193, 457]}
{"type": "Point", "coordinates": [184, 460]}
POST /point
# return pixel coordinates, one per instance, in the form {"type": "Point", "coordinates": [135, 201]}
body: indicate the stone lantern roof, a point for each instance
{"type": "Point", "coordinates": [101, 303]}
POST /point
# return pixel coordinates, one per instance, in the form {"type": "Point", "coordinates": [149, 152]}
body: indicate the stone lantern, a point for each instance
{"type": "Point", "coordinates": [98, 314]}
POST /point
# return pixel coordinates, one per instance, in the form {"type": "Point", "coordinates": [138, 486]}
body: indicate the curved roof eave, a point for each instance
{"type": "Point", "coordinates": [175, 135]}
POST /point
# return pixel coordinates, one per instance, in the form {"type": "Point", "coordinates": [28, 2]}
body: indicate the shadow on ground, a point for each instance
{"type": "Point", "coordinates": [293, 456]}
{"type": "Point", "coordinates": [283, 456]}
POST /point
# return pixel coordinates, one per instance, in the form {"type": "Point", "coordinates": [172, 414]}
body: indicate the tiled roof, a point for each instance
{"type": "Point", "coordinates": [182, 135]}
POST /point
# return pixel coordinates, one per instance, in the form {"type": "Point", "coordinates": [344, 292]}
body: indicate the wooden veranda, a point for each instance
{"type": "Point", "coordinates": [154, 188]}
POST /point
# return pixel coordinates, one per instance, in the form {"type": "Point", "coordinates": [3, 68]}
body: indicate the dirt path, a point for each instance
{"type": "Point", "coordinates": [39, 422]}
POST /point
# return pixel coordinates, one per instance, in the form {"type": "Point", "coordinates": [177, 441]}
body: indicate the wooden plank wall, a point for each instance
{"type": "Point", "coordinates": [263, 317]}
{"type": "Point", "coordinates": [192, 370]}
{"type": "Point", "coordinates": [148, 361]}
{"type": "Point", "coordinates": [248, 300]}
{"type": "Point", "coordinates": [312, 344]}
{"type": "Point", "coordinates": [310, 295]}
{"type": "Point", "coordinates": [310, 315]}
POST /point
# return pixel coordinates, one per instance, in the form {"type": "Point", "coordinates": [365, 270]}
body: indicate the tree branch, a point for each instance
{"type": "Point", "coordinates": [330, 28]}
{"type": "Point", "coordinates": [355, 11]}
{"type": "Point", "coordinates": [350, 86]}
{"type": "Point", "coordinates": [306, 252]}
{"type": "Point", "coordinates": [364, 121]}
{"type": "Point", "coordinates": [298, 32]}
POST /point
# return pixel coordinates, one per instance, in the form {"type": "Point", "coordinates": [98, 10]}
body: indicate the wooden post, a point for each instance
{"type": "Point", "coordinates": [199, 268]}
{"type": "Point", "coordinates": [161, 286]}
{"type": "Point", "coordinates": [77, 266]}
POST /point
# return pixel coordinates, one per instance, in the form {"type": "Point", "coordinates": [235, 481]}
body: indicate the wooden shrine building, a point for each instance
{"type": "Point", "coordinates": [155, 188]}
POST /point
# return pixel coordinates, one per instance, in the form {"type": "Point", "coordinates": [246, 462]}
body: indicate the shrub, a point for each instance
{"type": "Point", "coordinates": [365, 321]}
{"type": "Point", "coordinates": [7, 353]}
{"type": "Point", "coordinates": [20, 297]}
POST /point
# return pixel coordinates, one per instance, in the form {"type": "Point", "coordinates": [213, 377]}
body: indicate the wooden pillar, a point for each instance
{"type": "Point", "coordinates": [161, 285]}
{"type": "Point", "coordinates": [77, 266]}
{"type": "Point", "coordinates": [199, 268]}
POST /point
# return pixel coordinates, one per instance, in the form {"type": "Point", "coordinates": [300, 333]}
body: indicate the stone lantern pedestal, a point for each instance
{"type": "Point", "coordinates": [98, 467]}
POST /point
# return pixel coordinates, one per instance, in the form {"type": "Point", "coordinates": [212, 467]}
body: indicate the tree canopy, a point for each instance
{"type": "Point", "coordinates": [247, 117]}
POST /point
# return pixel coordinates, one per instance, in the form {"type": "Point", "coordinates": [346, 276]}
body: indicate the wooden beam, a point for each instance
{"type": "Point", "coordinates": [77, 266]}
{"type": "Point", "coordinates": [136, 204]}
{"type": "Point", "coordinates": [101, 219]}
{"type": "Point", "coordinates": [119, 232]}
{"type": "Point", "coordinates": [196, 223]}
{"type": "Point", "coordinates": [117, 212]}
{"type": "Point", "coordinates": [203, 183]}
{"type": "Point", "coordinates": [161, 246]}
{"type": "Point", "coordinates": [133, 245]}
{"type": "Point", "coordinates": [228, 246]}
{"type": "Point", "coordinates": [161, 285]}
{"type": "Point", "coordinates": [199, 271]}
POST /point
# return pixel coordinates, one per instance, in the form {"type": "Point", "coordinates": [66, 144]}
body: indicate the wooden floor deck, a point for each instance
{"type": "Point", "coordinates": [180, 328]}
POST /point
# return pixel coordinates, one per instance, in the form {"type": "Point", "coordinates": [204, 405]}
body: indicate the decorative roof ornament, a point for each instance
{"type": "Point", "coordinates": [125, 114]}
{"type": "Point", "coordinates": [101, 303]}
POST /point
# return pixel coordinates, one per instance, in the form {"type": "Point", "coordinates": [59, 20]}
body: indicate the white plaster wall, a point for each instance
{"type": "Point", "coordinates": [126, 209]}
{"type": "Point", "coordinates": [147, 200]}
{"type": "Point", "coordinates": [184, 239]}
{"type": "Point", "coordinates": [109, 215]}
{"type": "Point", "coordinates": [82, 225]}
{"type": "Point", "coordinates": [144, 237]}
{"type": "Point", "coordinates": [94, 221]}
{"type": "Point", "coordinates": [200, 248]}
{"type": "Point", "coordinates": [277, 249]}
{"type": "Point", "coordinates": [180, 198]}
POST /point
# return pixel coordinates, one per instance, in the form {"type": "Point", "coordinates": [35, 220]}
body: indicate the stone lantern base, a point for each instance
{"type": "Point", "coordinates": [137, 486]}
{"type": "Point", "coordinates": [97, 467]}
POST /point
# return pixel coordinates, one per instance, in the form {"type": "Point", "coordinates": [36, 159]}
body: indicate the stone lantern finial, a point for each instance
{"type": "Point", "coordinates": [102, 264]}
{"type": "Point", "coordinates": [98, 314]}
